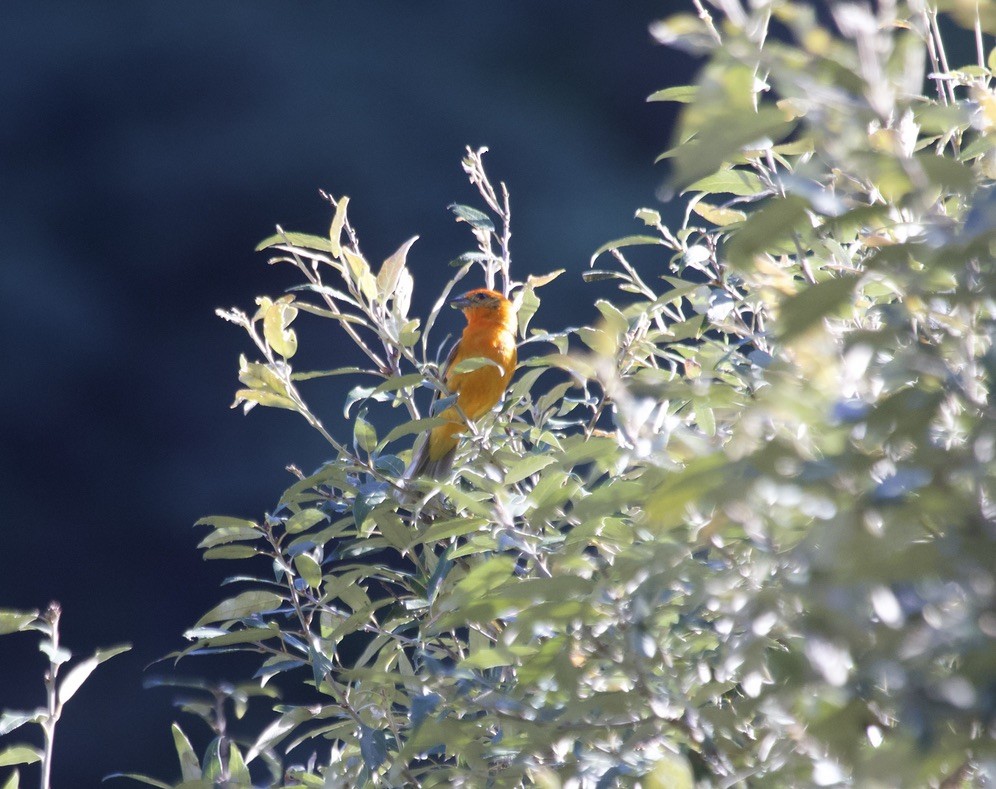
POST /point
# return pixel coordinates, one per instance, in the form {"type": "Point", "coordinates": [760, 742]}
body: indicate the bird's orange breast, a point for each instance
{"type": "Point", "coordinates": [478, 391]}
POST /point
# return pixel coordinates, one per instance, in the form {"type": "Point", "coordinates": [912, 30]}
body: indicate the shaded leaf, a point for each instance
{"type": "Point", "coordinates": [472, 216]}
{"type": "Point", "coordinates": [373, 747]}
{"type": "Point", "coordinates": [628, 241]}
{"type": "Point", "coordinates": [766, 228]}
{"type": "Point", "coordinates": [807, 308]}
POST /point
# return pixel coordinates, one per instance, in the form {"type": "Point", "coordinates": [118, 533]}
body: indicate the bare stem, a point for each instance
{"type": "Point", "coordinates": [51, 617]}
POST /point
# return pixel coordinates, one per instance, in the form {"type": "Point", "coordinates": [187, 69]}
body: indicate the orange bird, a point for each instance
{"type": "Point", "coordinates": [489, 334]}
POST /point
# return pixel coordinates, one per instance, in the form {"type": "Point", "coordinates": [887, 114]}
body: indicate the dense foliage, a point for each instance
{"type": "Point", "coordinates": [740, 530]}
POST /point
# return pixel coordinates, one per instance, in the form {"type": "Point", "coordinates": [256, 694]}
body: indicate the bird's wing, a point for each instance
{"type": "Point", "coordinates": [420, 463]}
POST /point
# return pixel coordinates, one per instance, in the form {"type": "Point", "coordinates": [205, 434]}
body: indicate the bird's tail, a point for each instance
{"type": "Point", "coordinates": [423, 465]}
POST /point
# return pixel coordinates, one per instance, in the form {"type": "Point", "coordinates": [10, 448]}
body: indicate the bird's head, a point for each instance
{"type": "Point", "coordinates": [484, 304]}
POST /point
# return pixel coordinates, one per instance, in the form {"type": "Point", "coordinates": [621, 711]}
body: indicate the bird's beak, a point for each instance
{"type": "Point", "coordinates": [460, 303]}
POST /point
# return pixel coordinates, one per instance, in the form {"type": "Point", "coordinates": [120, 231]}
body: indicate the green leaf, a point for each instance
{"type": "Point", "coordinates": [722, 140]}
{"type": "Point", "coordinates": [277, 730]}
{"type": "Point", "coordinates": [628, 241]}
{"type": "Point", "coordinates": [718, 215]}
{"type": "Point", "coordinates": [242, 606]}
{"type": "Point", "coordinates": [480, 580]}
{"type": "Point", "coordinates": [451, 527]}
{"type": "Point", "coordinates": [474, 363]}
{"type": "Point", "coordinates": [144, 779]}
{"type": "Point", "coordinates": [390, 270]}
{"type": "Point", "coordinates": [226, 522]}
{"type": "Point", "coordinates": [230, 552]}
{"type": "Point", "coordinates": [705, 418]}
{"type": "Point", "coordinates": [666, 503]}
{"type": "Point", "coordinates": [947, 173]}
{"type": "Point", "coordinates": [303, 520]}
{"type": "Point", "coordinates": [308, 569]}
{"type": "Point", "coordinates": [307, 376]}
{"type": "Point", "coordinates": [398, 382]}
{"type": "Point", "coordinates": [414, 426]}
{"type": "Point", "coordinates": [190, 768]}
{"type": "Point", "coordinates": [729, 181]}
{"type": "Point", "coordinates": [473, 217]}
{"type": "Point", "coordinates": [800, 312]}
{"type": "Point", "coordinates": [77, 675]}
{"type": "Point", "coordinates": [12, 621]}
{"type": "Point", "coordinates": [764, 230]}
{"type": "Point", "coordinates": [373, 747]}
{"type": "Point", "coordinates": [527, 466]}
{"type": "Point", "coordinates": [252, 397]}
{"type": "Point", "coordinates": [276, 322]}
{"type": "Point", "coordinates": [670, 771]}
{"type": "Point", "coordinates": [338, 223]}
{"type": "Point", "coordinates": [295, 239]}
{"type": "Point", "coordinates": [19, 754]}
{"type": "Point", "coordinates": [12, 719]}
{"type": "Point", "coordinates": [683, 94]}
{"type": "Point", "coordinates": [227, 534]}
{"type": "Point", "coordinates": [364, 435]}
{"type": "Point", "coordinates": [248, 635]}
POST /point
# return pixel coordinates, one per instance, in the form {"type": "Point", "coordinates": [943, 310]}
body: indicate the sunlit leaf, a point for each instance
{"type": "Point", "coordinates": [242, 606]}
{"type": "Point", "coordinates": [77, 675]}
{"type": "Point", "coordinates": [12, 719]}
{"type": "Point", "coordinates": [679, 93]}
{"type": "Point", "coordinates": [308, 569]}
{"type": "Point", "coordinates": [736, 181]}
{"type": "Point", "coordinates": [19, 754]}
{"type": "Point", "coordinates": [338, 222]}
{"type": "Point", "coordinates": [14, 621]}
{"type": "Point", "coordinates": [190, 768]}
{"type": "Point", "coordinates": [296, 239]}
{"type": "Point", "coordinates": [628, 241]}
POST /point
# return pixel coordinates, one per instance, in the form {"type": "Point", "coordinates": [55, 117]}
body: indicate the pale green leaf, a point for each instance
{"type": "Point", "coordinates": [391, 269]}
{"type": "Point", "coordinates": [733, 181]}
{"type": "Point", "coordinates": [304, 520]}
{"type": "Point", "coordinates": [190, 768]}
{"type": "Point", "coordinates": [295, 239]}
{"type": "Point", "coordinates": [683, 94]}
{"type": "Point", "coordinates": [77, 675]}
{"type": "Point", "coordinates": [527, 466]}
{"type": "Point", "coordinates": [798, 313]}
{"type": "Point", "coordinates": [628, 241]}
{"type": "Point", "coordinates": [717, 214]}
{"type": "Point", "coordinates": [338, 223]}
{"type": "Point", "coordinates": [19, 754]}
{"type": "Point", "coordinates": [308, 569]}
{"type": "Point", "coordinates": [241, 606]}
{"type": "Point", "coordinates": [12, 621]}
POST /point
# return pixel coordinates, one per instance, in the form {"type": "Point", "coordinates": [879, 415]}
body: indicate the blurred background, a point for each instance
{"type": "Point", "coordinates": [145, 148]}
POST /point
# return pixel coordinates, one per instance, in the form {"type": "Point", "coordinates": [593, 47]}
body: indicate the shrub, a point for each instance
{"type": "Point", "coordinates": [739, 530]}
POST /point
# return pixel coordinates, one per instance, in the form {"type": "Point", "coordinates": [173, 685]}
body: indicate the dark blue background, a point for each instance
{"type": "Point", "coordinates": [145, 148]}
